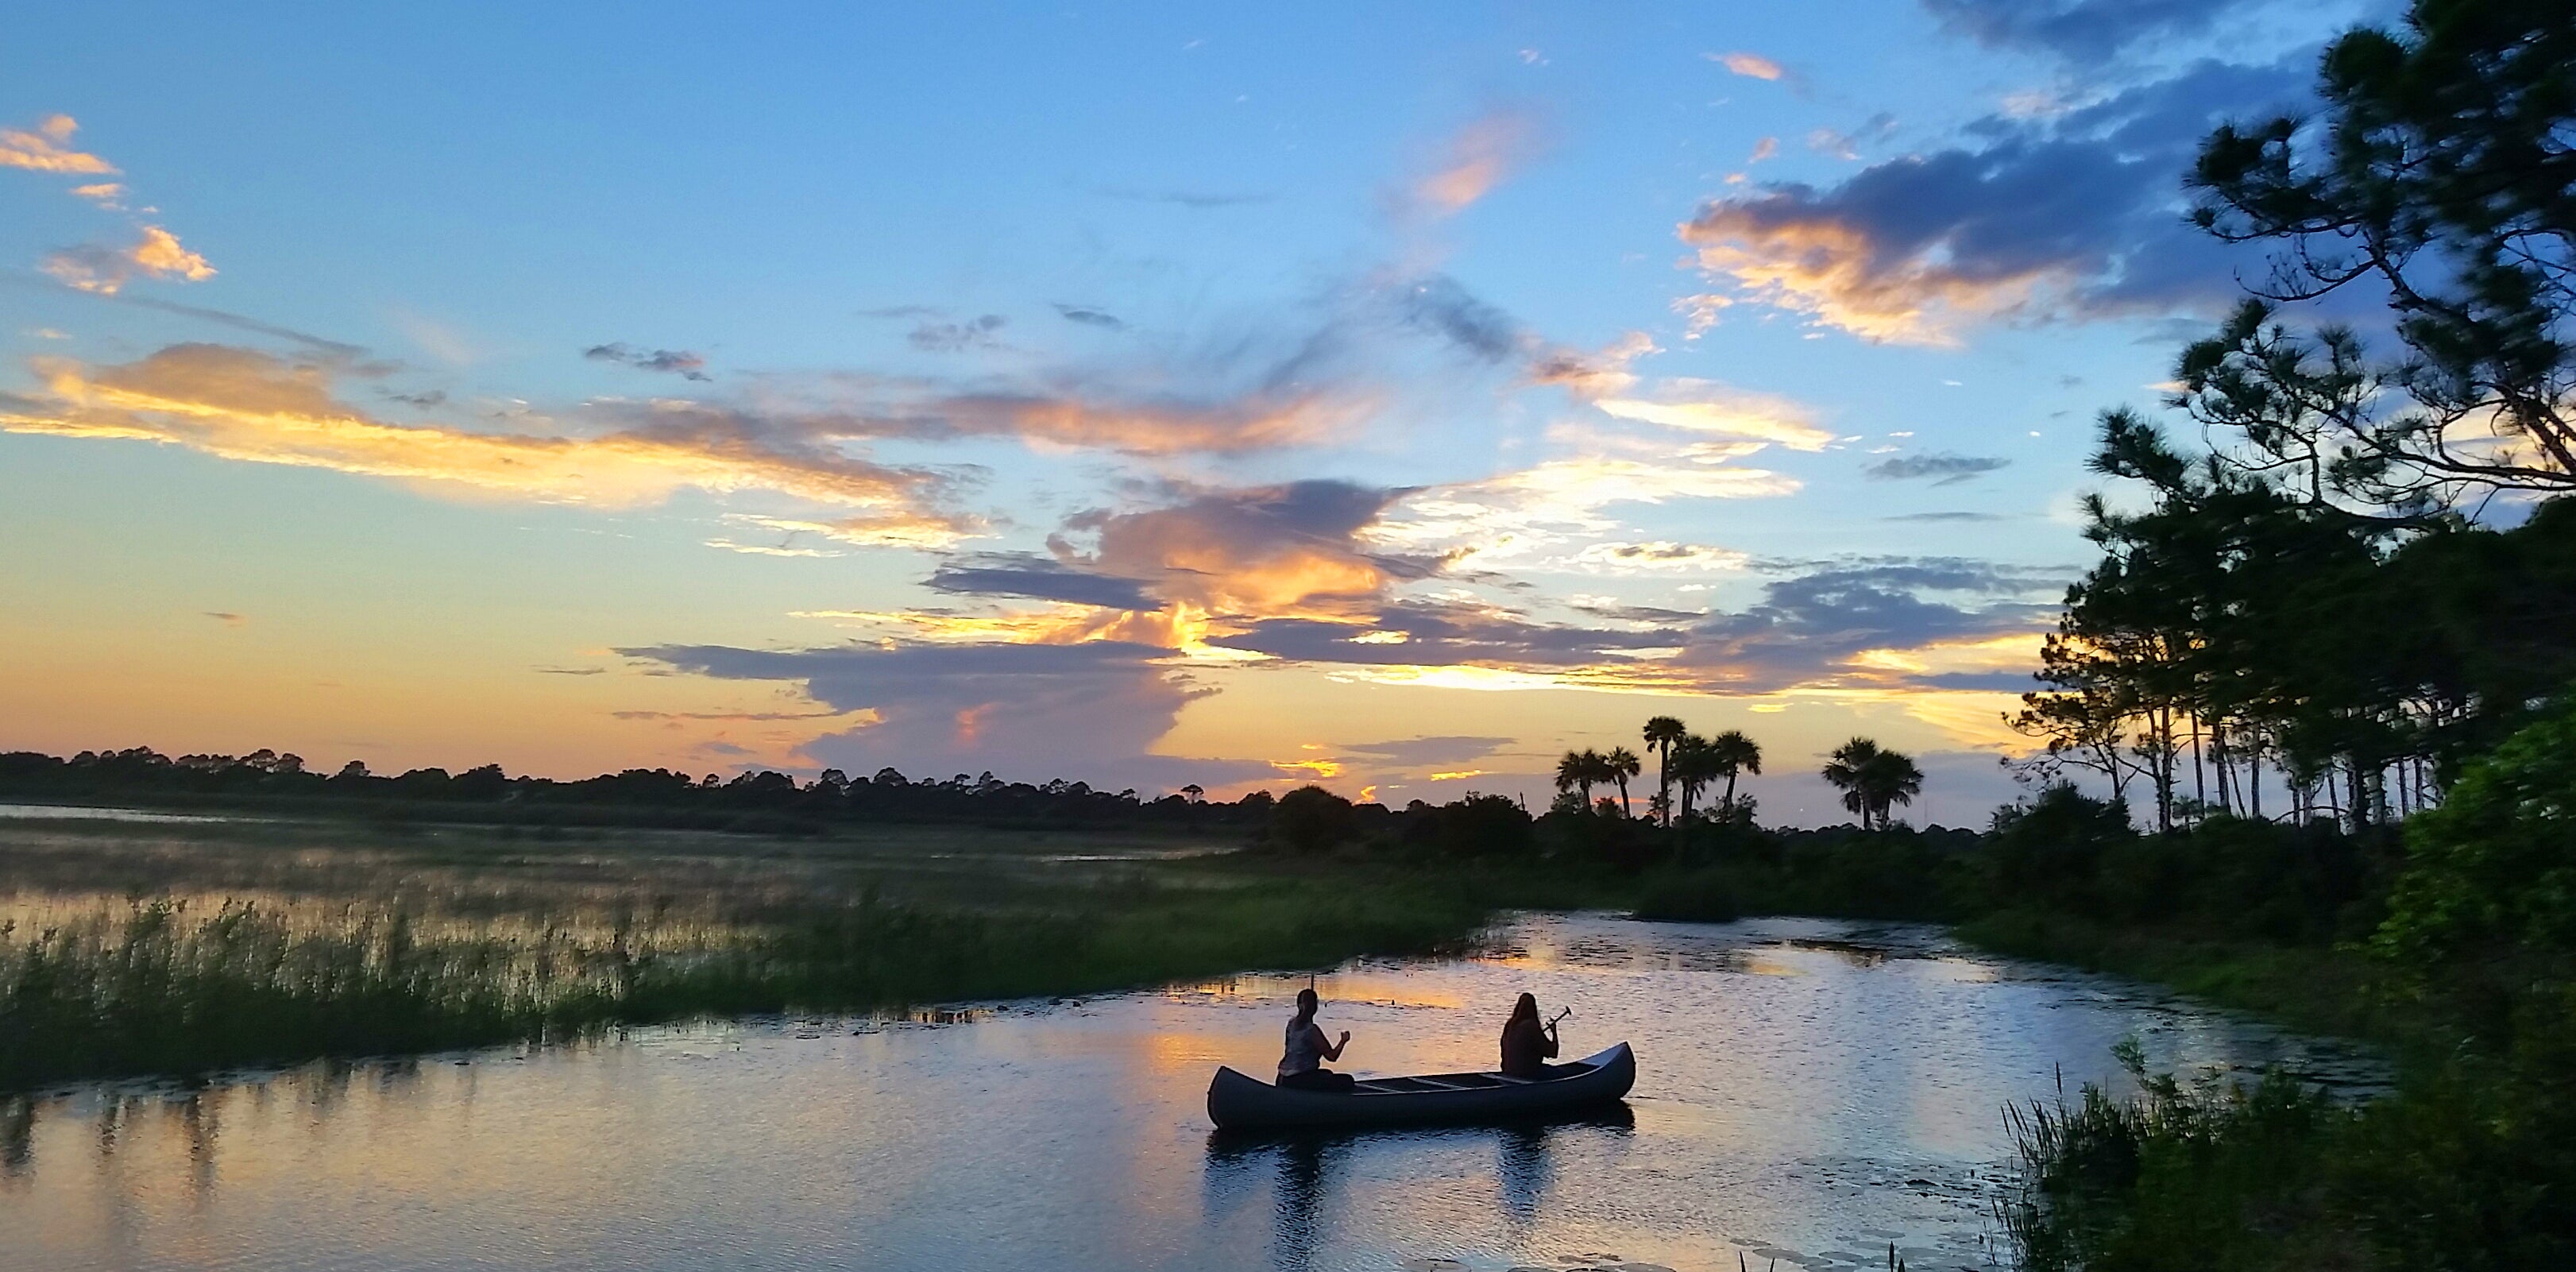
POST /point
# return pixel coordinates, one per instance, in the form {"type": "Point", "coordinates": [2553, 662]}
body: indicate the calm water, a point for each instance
{"type": "Point", "coordinates": [1808, 1091]}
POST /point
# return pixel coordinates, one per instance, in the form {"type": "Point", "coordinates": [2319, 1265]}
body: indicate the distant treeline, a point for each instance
{"type": "Point", "coordinates": [766, 801]}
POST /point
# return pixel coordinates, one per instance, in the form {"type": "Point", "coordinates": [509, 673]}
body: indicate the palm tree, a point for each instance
{"type": "Point", "coordinates": [1579, 770]}
{"type": "Point", "coordinates": [1872, 780]}
{"type": "Point", "coordinates": [1661, 732]}
{"type": "Point", "coordinates": [1736, 754]}
{"type": "Point", "coordinates": [1892, 780]}
{"type": "Point", "coordinates": [1845, 770]}
{"type": "Point", "coordinates": [1694, 765]}
{"type": "Point", "coordinates": [1620, 765]}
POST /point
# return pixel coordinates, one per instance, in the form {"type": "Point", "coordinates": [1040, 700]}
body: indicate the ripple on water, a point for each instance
{"type": "Point", "coordinates": [1815, 1120]}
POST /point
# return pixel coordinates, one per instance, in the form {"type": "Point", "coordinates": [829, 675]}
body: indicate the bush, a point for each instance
{"type": "Point", "coordinates": [1311, 819]}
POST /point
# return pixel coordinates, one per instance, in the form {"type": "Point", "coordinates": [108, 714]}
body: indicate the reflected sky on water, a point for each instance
{"type": "Point", "coordinates": [1808, 1091]}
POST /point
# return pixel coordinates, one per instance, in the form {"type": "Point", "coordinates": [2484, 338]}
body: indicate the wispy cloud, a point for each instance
{"type": "Point", "coordinates": [1946, 469]}
{"type": "Point", "coordinates": [1475, 160]}
{"type": "Point", "coordinates": [679, 362]}
{"type": "Point", "coordinates": [1706, 406]}
{"type": "Point", "coordinates": [47, 148]}
{"type": "Point", "coordinates": [245, 405]}
{"type": "Point", "coordinates": [1749, 65]}
{"type": "Point", "coordinates": [157, 254]}
{"type": "Point", "coordinates": [958, 337]}
{"type": "Point", "coordinates": [1091, 316]}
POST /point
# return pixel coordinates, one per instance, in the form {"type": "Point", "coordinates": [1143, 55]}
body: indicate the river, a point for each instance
{"type": "Point", "coordinates": [1809, 1092]}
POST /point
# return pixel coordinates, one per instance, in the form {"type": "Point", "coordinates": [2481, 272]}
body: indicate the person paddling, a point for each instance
{"type": "Point", "coordinates": [1527, 1044]}
{"type": "Point", "coordinates": [1301, 1067]}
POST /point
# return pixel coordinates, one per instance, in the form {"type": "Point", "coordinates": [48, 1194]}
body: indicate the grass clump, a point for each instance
{"type": "Point", "coordinates": [163, 987]}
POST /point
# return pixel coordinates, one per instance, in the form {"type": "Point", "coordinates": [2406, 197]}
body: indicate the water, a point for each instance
{"type": "Point", "coordinates": [1808, 1091]}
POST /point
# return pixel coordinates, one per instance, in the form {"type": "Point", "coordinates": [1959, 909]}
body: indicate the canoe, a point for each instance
{"type": "Point", "coordinates": [1238, 1101]}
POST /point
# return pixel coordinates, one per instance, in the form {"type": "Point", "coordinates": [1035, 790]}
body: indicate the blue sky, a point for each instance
{"type": "Point", "coordinates": [1390, 398]}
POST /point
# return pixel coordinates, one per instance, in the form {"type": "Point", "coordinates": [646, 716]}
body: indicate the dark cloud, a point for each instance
{"type": "Point", "coordinates": [1038, 578]}
{"type": "Point", "coordinates": [1444, 634]}
{"type": "Point", "coordinates": [1259, 550]}
{"type": "Point", "coordinates": [1089, 712]}
{"type": "Point", "coordinates": [1427, 752]}
{"type": "Point", "coordinates": [679, 362]}
{"type": "Point", "coordinates": [2086, 32]}
{"type": "Point", "coordinates": [900, 311]}
{"type": "Point", "coordinates": [1441, 305]}
{"type": "Point", "coordinates": [424, 400]}
{"type": "Point", "coordinates": [1090, 317]}
{"type": "Point", "coordinates": [1808, 629]}
{"type": "Point", "coordinates": [2080, 214]}
{"type": "Point", "coordinates": [957, 337]}
{"type": "Point", "coordinates": [1947, 469]}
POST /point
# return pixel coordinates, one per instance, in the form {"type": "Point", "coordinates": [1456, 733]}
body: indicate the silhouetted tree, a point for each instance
{"type": "Point", "coordinates": [1661, 732]}
{"type": "Point", "coordinates": [1734, 753]}
{"type": "Point", "coordinates": [1621, 764]}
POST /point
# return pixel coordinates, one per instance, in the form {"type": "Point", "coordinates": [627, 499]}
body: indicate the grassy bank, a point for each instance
{"type": "Point", "coordinates": [175, 950]}
{"type": "Point", "coordinates": [165, 987]}
{"type": "Point", "coordinates": [2313, 988]}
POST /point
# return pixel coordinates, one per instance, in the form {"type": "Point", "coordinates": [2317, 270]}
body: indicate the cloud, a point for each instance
{"type": "Point", "coordinates": [1848, 145]}
{"type": "Point", "coordinates": [2085, 32]}
{"type": "Point", "coordinates": [1949, 469]}
{"type": "Point", "coordinates": [2077, 216]}
{"type": "Point", "coordinates": [1450, 750]}
{"type": "Point", "coordinates": [1091, 317]}
{"type": "Point", "coordinates": [1439, 304]}
{"type": "Point", "coordinates": [679, 362]}
{"type": "Point", "coordinates": [228, 619]}
{"type": "Point", "coordinates": [1656, 558]}
{"type": "Point", "coordinates": [1949, 517]}
{"type": "Point", "coordinates": [106, 194]}
{"type": "Point", "coordinates": [1089, 711]}
{"type": "Point", "coordinates": [1764, 149]}
{"type": "Point", "coordinates": [1750, 65]}
{"type": "Point", "coordinates": [1474, 161]}
{"type": "Point", "coordinates": [1516, 514]}
{"type": "Point", "coordinates": [1814, 629]}
{"type": "Point", "coordinates": [958, 337]}
{"type": "Point", "coordinates": [95, 268]}
{"type": "Point", "coordinates": [1706, 406]}
{"type": "Point", "coordinates": [1037, 578]}
{"type": "Point", "coordinates": [1290, 548]}
{"type": "Point", "coordinates": [245, 405]}
{"type": "Point", "coordinates": [47, 149]}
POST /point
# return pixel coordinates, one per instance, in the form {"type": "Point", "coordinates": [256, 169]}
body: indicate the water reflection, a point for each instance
{"type": "Point", "coordinates": [1814, 1117]}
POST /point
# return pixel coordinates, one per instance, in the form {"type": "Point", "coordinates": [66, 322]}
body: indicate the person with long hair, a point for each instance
{"type": "Point", "coordinates": [1527, 1044]}
{"type": "Point", "coordinates": [1301, 1066]}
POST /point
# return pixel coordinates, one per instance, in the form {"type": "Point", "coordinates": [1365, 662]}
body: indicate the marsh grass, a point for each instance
{"type": "Point", "coordinates": [188, 955]}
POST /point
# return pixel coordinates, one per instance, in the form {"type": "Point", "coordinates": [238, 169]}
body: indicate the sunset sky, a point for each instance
{"type": "Point", "coordinates": [1389, 396]}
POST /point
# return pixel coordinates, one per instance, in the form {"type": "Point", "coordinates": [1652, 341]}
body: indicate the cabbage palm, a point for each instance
{"type": "Point", "coordinates": [1736, 754]}
{"type": "Point", "coordinates": [1660, 733]}
{"type": "Point", "coordinates": [1618, 766]}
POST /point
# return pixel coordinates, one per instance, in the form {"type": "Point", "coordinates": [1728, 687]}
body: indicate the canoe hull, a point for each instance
{"type": "Point", "coordinates": [1237, 1101]}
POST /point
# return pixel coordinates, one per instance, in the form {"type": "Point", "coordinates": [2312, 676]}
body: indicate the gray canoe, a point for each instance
{"type": "Point", "coordinates": [1239, 1102]}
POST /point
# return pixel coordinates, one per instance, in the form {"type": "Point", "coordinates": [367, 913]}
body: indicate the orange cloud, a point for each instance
{"type": "Point", "coordinates": [93, 268]}
{"type": "Point", "coordinates": [1476, 160]}
{"type": "Point", "coordinates": [1706, 406]}
{"type": "Point", "coordinates": [243, 405]}
{"type": "Point", "coordinates": [47, 149]}
{"type": "Point", "coordinates": [1835, 271]}
{"type": "Point", "coordinates": [106, 194]}
{"type": "Point", "coordinates": [1751, 65]}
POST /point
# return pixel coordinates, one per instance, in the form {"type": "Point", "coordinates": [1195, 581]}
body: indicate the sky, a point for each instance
{"type": "Point", "coordinates": [1387, 397]}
